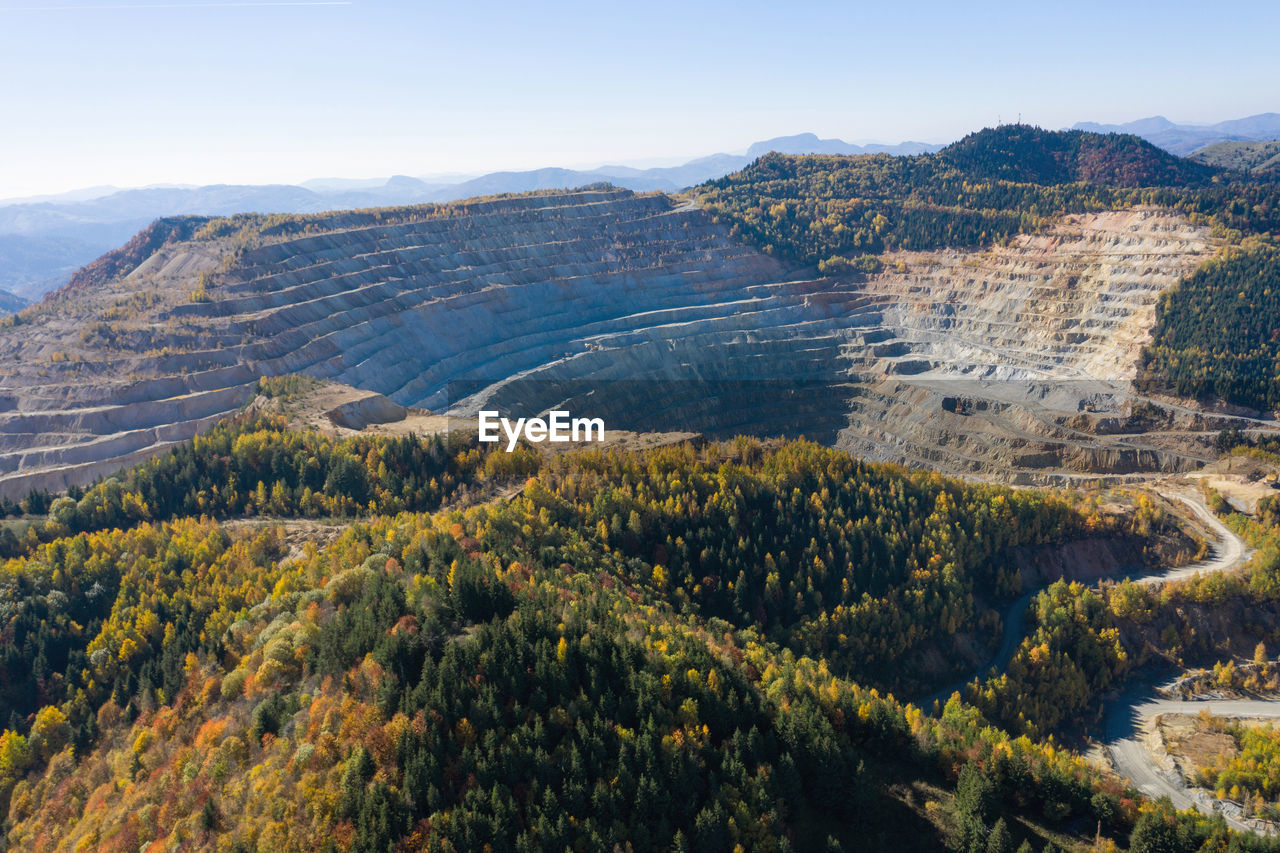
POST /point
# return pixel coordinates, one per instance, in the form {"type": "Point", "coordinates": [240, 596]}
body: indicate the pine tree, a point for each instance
{"type": "Point", "coordinates": [975, 793]}
{"type": "Point", "coordinates": [999, 841]}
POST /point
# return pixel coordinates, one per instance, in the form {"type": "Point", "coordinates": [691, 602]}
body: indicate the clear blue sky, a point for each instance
{"type": "Point", "coordinates": [201, 91]}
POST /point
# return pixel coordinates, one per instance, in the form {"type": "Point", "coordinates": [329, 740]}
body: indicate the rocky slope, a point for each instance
{"type": "Point", "coordinates": [1020, 358]}
{"type": "Point", "coordinates": [1013, 362]}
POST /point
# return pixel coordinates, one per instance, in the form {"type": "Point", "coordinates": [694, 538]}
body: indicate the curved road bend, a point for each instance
{"type": "Point", "coordinates": [1122, 729]}
{"type": "Point", "coordinates": [1230, 552]}
{"type": "Point", "coordinates": [1015, 620]}
{"type": "Point", "coordinates": [1126, 715]}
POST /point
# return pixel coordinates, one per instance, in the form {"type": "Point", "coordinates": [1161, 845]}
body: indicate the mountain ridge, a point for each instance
{"type": "Point", "coordinates": [1260, 158]}
{"type": "Point", "coordinates": [43, 240]}
{"type": "Point", "coordinates": [1183, 139]}
{"type": "Point", "coordinates": [533, 299]}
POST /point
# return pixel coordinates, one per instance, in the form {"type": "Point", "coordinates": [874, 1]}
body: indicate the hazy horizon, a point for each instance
{"type": "Point", "coordinates": [133, 94]}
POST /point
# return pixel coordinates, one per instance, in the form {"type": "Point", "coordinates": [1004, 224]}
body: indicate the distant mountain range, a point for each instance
{"type": "Point", "coordinates": [44, 239]}
{"type": "Point", "coordinates": [808, 143]}
{"type": "Point", "coordinates": [1183, 139]}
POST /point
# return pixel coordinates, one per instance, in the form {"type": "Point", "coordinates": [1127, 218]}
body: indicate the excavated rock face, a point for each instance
{"type": "Point", "coordinates": [1018, 361]}
{"type": "Point", "coordinates": [1014, 362]}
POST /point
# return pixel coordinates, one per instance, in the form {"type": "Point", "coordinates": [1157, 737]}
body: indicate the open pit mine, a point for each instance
{"type": "Point", "coordinates": [1015, 362]}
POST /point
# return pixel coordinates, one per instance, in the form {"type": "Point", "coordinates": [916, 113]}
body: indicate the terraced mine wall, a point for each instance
{"type": "Point", "coordinates": [1020, 359]}
{"type": "Point", "coordinates": [1015, 362]}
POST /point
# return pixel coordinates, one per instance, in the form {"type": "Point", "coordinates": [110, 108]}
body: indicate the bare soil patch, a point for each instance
{"type": "Point", "coordinates": [1195, 741]}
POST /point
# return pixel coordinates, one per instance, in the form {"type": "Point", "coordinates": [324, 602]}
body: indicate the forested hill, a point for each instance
{"type": "Point", "coordinates": [988, 186]}
{"type": "Point", "coordinates": [1218, 332]}
{"type": "Point", "coordinates": [1025, 154]}
{"type": "Point", "coordinates": [645, 651]}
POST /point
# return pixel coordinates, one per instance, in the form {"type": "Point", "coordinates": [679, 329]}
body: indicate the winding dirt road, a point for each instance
{"type": "Point", "coordinates": [1155, 778]}
{"type": "Point", "coordinates": [1129, 714]}
{"type": "Point", "coordinates": [1230, 552]}
{"type": "Point", "coordinates": [1015, 621]}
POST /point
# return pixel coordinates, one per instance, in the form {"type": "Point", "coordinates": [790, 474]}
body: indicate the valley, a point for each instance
{"type": "Point", "coordinates": [639, 428]}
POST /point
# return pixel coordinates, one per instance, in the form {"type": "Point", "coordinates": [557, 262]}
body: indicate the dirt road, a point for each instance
{"type": "Point", "coordinates": [1157, 777]}
{"type": "Point", "coordinates": [1229, 553]}
{"type": "Point", "coordinates": [1127, 716]}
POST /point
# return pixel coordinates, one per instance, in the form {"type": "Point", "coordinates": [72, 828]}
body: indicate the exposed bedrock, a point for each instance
{"type": "Point", "coordinates": [361, 412]}
{"type": "Point", "coordinates": [1017, 358]}
{"type": "Point", "coordinates": [1014, 362]}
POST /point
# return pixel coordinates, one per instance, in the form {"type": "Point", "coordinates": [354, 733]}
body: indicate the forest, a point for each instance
{"type": "Point", "coordinates": [1216, 332]}
{"type": "Point", "coordinates": [273, 639]}
{"type": "Point", "coordinates": [985, 188]}
{"type": "Point", "coordinates": [684, 648]}
{"type": "Point", "coordinates": [861, 565]}
{"type": "Point", "coordinates": [1085, 640]}
{"type": "Point", "coordinates": [254, 466]}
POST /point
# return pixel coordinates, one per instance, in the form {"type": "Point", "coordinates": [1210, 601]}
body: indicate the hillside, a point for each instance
{"type": "Point", "coordinates": [315, 612]}
{"type": "Point", "coordinates": [844, 213]}
{"type": "Point", "coordinates": [649, 314]}
{"type": "Point", "coordinates": [1258, 157]}
{"type": "Point", "coordinates": [915, 340]}
{"type": "Point", "coordinates": [1026, 154]}
{"type": "Point", "coordinates": [44, 239]}
{"type": "Point", "coordinates": [991, 185]}
{"type": "Point", "coordinates": [604, 658]}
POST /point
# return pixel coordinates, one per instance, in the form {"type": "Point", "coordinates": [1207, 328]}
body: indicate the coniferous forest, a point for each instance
{"type": "Point", "coordinates": [696, 647]}
{"type": "Point", "coordinates": [1217, 332]}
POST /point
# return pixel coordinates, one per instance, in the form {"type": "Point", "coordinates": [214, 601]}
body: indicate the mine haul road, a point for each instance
{"type": "Point", "coordinates": [1127, 715]}
{"type": "Point", "coordinates": [1133, 710]}
{"type": "Point", "coordinates": [1229, 553]}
